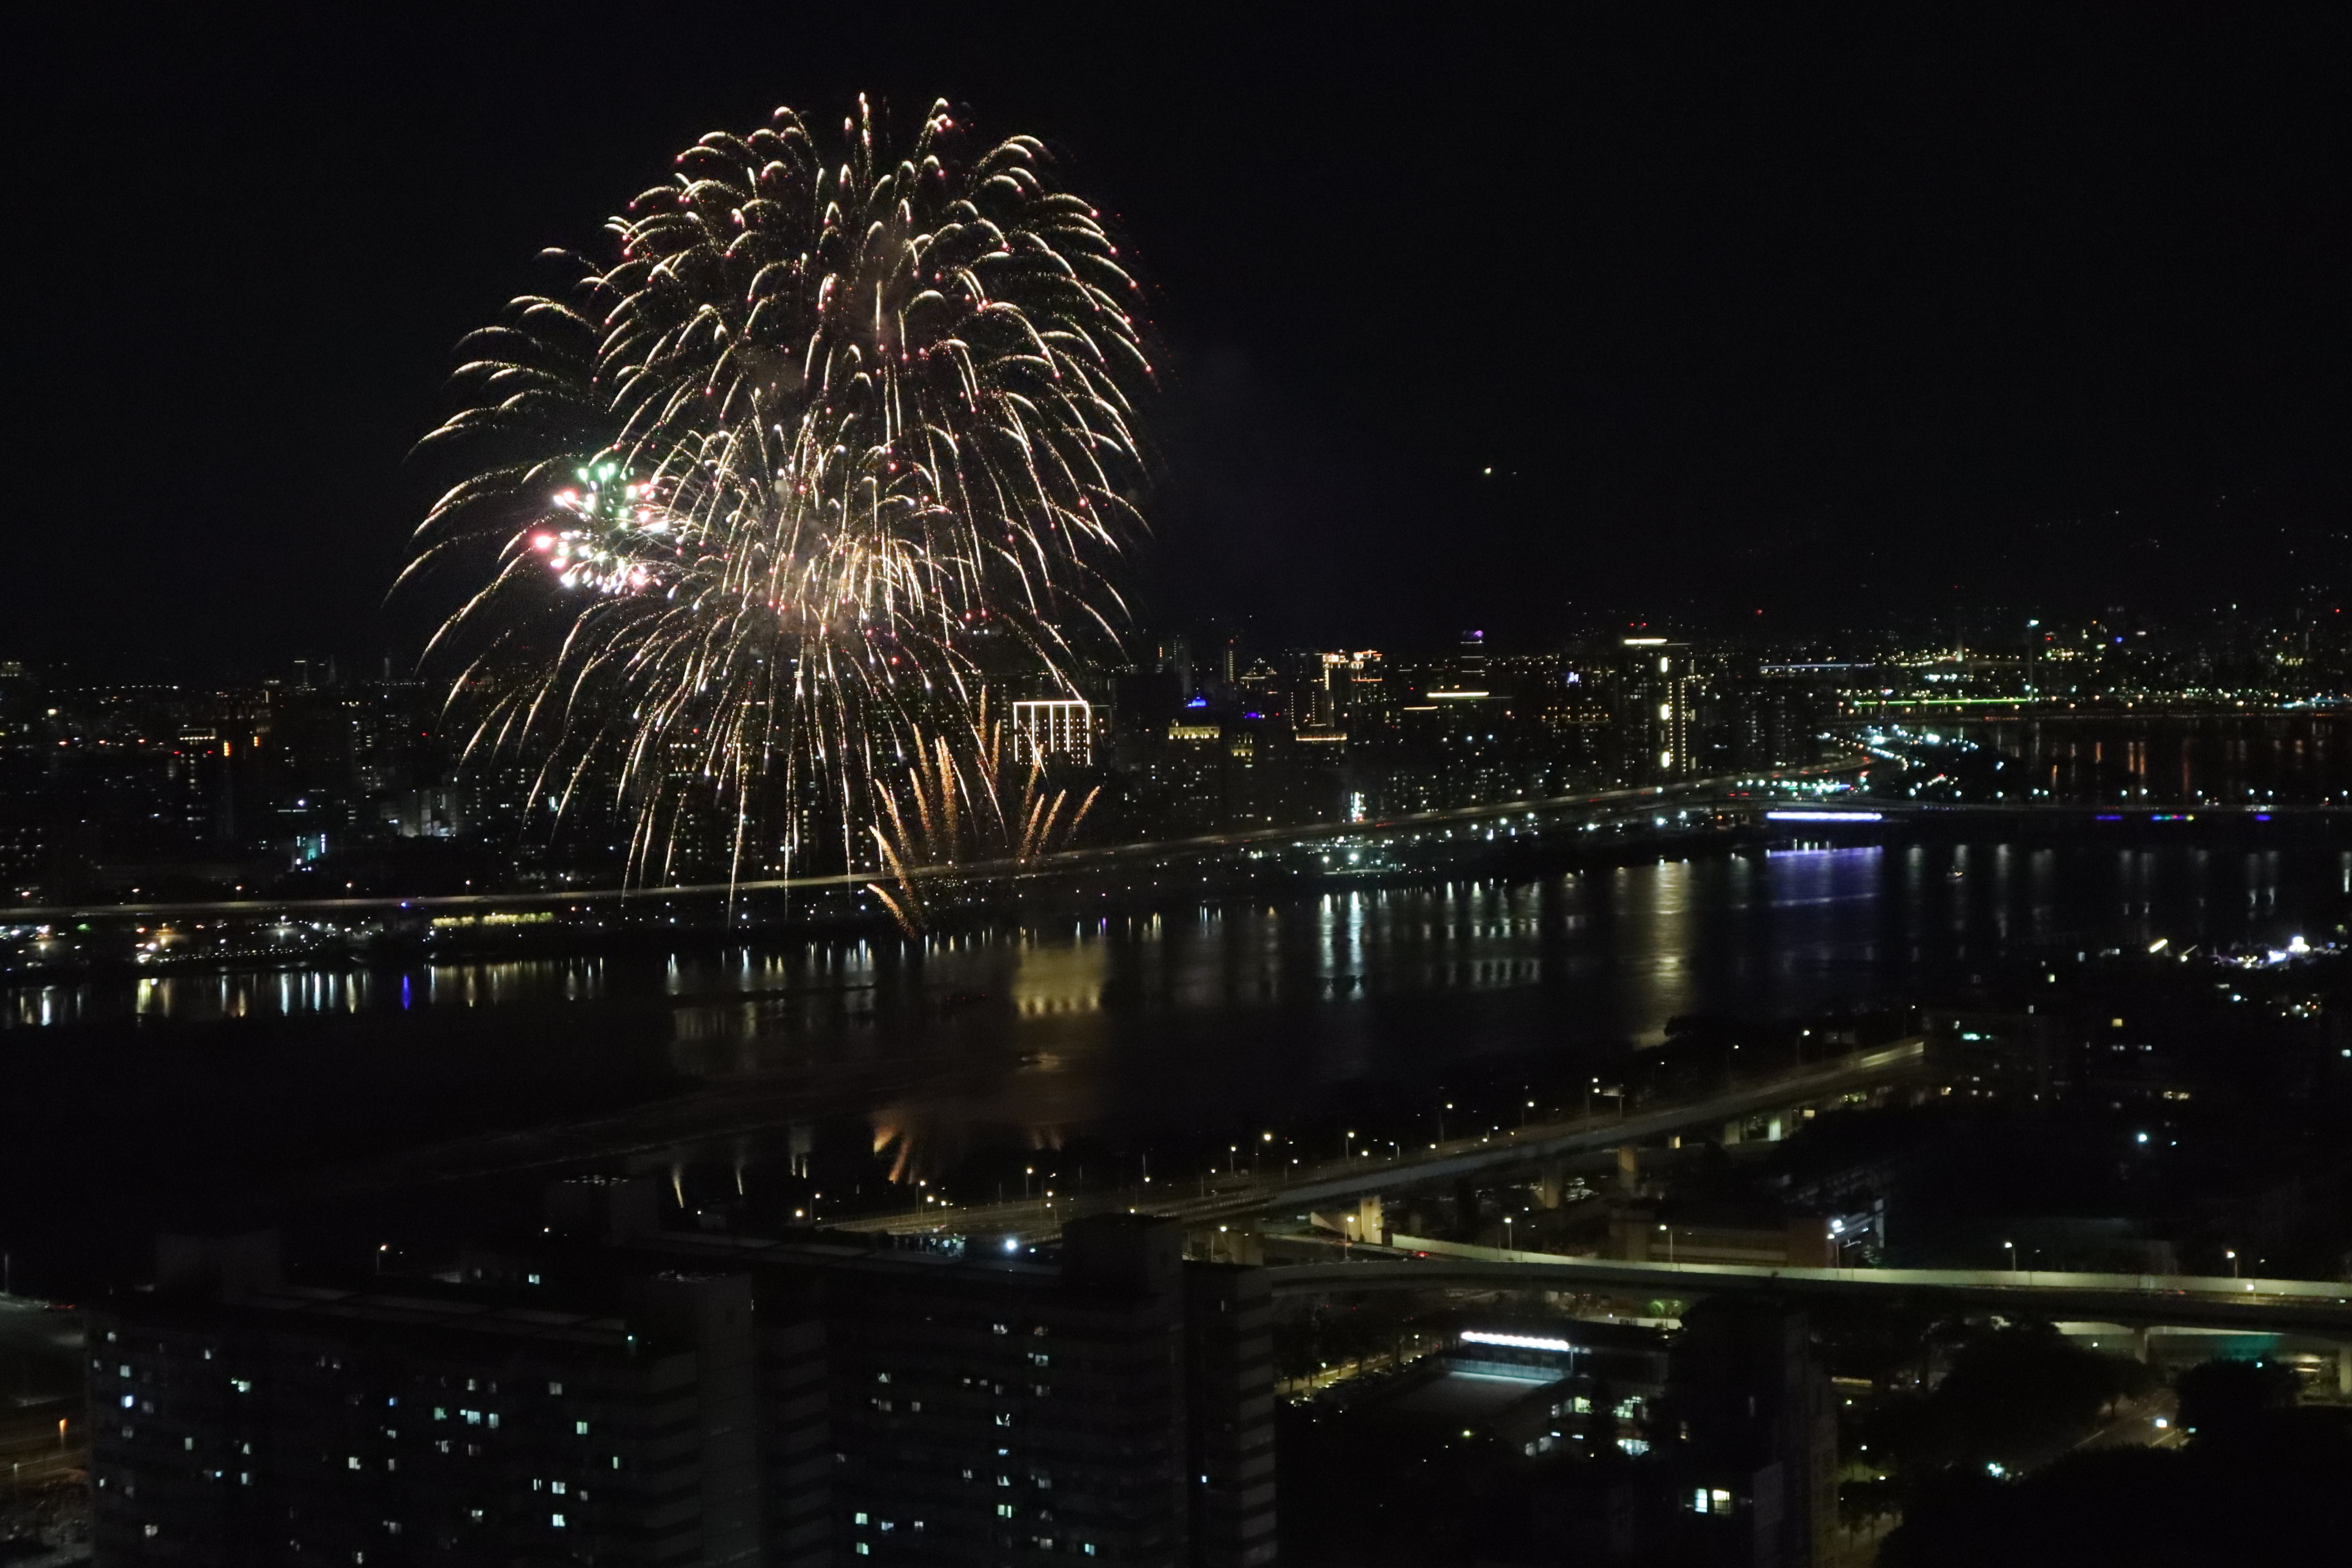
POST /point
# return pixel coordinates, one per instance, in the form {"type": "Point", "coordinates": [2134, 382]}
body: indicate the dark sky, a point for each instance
{"type": "Point", "coordinates": [1826, 314]}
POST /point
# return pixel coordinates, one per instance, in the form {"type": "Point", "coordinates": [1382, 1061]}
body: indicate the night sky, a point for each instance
{"type": "Point", "coordinates": [1832, 320]}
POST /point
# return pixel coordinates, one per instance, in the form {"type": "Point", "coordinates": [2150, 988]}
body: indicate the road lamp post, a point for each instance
{"type": "Point", "coordinates": [2232, 1257]}
{"type": "Point", "coordinates": [2012, 1255]}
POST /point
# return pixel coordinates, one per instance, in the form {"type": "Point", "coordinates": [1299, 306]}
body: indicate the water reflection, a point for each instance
{"type": "Point", "coordinates": [1611, 954]}
{"type": "Point", "coordinates": [2177, 761]}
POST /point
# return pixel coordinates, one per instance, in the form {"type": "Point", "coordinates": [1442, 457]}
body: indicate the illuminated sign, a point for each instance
{"type": "Point", "coordinates": [1514, 1341]}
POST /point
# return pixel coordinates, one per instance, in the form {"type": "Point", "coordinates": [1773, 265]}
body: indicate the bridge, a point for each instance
{"type": "Point", "coordinates": [1244, 1195]}
{"type": "Point", "coordinates": [1862, 810]}
{"type": "Point", "coordinates": [2323, 1308]}
{"type": "Point", "coordinates": [1593, 807]}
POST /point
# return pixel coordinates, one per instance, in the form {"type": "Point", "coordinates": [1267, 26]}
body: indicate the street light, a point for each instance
{"type": "Point", "coordinates": [1670, 1244]}
{"type": "Point", "coordinates": [2232, 1257]}
{"type": "Point", "coordinates": [2012, 1255]}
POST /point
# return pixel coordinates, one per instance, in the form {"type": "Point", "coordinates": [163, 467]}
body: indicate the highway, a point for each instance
{"type": "Point", "coordinates": [1709, 791]}
{"type": "Point", "coordinates": [2317, 1307]}
{"type": "Point", "coordinates": [1244, 1195]}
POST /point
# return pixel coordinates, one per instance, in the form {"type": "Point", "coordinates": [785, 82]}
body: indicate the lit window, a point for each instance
{"type": "Point", "coordinates": [864, 1550]}
{"type": "Point", "coordinates": [555, 1390]}
{"type": "Point", "coordinates": [555, 1521]}
{"type": "Point", "coordinates": [1004, 1510]}
{"type": "Point", "coordinates": [858, 1518]}
{"type": "Point", "coordinates": [579, 1428]}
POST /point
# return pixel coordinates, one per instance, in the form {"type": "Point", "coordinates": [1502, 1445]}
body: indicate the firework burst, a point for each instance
{"type": "Point", "coordinates": [830, 439]}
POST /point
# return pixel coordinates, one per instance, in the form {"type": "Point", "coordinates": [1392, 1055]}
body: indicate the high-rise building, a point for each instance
{"type": "Point", "coordinates": [1116, 1408]}
{"type": "Point", "coordinates": [1058, 728]}
{"type": "Point", "coordinates": [1656, 689]}
{"type": "Point", "coordinates": [1470, 664]}
{"type": "Point", "coordinates": [606, 1392]}
{"type": "Point", "coordinates": [1755, 1469]}
{"type": "Point", "coordinates": [242, 1422]}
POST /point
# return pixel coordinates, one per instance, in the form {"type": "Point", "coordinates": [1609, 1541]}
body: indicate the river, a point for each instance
{"type": "Point", "coordinates": [1174, 1032]}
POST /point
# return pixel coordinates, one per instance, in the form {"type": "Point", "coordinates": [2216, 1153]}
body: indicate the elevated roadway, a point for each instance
{"type": "Point", "coordinates": [1244, 1196]}
{"type": "Point", "coordinates": [2302, 1306]}
{"type": "Point", "coordinates": [1707, 794]}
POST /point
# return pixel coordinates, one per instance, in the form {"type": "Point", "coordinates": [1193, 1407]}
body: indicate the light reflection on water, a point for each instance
{"type": "Point", "coordinates": [1615, 952]}
{"type": "Point", "coordinates": [203, 996]}
{"type": "Point", "coordinates": [1197, 1016]}
{"type": "Point", "coordinates": [1161, 1026]}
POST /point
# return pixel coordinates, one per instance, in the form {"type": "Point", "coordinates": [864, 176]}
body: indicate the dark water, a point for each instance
{"type": "Point", "coordinates": [1257, 1008]}
{"type": "Point", "coordinates": [1164, 1034]}
{"type": "Point", "coordinates": [2296, 758]}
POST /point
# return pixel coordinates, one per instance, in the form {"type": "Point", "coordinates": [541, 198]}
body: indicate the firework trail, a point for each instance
{"type": "Point", "coordinates": [955, 804]}
{"type": "Point", "coordinates": [831, 437]}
